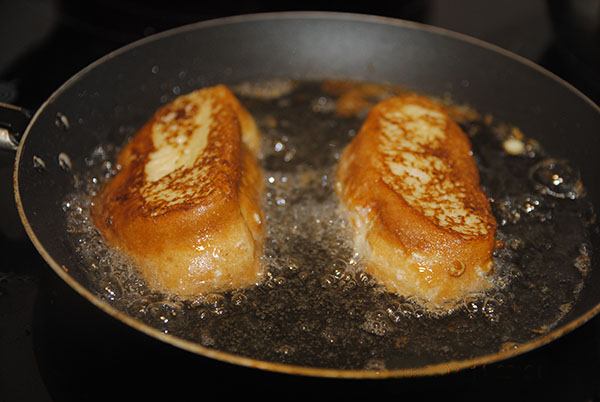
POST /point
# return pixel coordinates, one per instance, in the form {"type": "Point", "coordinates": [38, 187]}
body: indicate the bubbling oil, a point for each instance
{"type": "Point", "coordinates": [315, 306]}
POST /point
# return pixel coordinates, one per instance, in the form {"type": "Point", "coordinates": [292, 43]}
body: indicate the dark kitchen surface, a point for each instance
{"type": "Point", "coordinates": [55, 346]}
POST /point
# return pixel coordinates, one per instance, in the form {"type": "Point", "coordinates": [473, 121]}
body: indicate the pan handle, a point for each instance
{"type": "Point", "coordinates": [13, 122]}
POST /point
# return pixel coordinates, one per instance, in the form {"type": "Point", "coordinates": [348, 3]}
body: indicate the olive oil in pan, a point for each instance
{"type": "Point", "coordinates": [315, 306]}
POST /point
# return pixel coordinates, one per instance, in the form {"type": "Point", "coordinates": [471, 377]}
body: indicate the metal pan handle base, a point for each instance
{"type": "Point", "coordinates": [13, 122]}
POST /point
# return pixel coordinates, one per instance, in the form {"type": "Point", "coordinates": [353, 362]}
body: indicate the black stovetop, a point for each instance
{"type": "Point", "coordinates": [56, 346]}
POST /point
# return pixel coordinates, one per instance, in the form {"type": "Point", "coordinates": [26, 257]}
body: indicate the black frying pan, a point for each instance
{"type": "Point", "coordinates": [125, 87]}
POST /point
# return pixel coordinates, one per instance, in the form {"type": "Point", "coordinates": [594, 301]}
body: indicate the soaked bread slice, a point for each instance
{"type": "Point", "coordinates": [412, 189]}
{"type": "Point", "coordinates": [185, 205]}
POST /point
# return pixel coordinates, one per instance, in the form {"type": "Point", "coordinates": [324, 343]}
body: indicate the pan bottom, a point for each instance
{"type": "Point", "coordinates": [316, 307]}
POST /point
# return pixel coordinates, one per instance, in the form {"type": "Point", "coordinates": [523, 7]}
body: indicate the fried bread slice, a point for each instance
{"type": "Point", "coordinates": [411, 186]}
{"type": "Point", "coordinates": [185, 205]}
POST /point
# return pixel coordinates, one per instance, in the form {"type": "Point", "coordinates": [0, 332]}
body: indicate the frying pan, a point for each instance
{"type": "Point", "coordinates": [125, 87]}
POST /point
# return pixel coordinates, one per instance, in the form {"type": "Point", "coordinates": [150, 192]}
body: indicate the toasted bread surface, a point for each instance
{"type": "Point", "coordinates": [411, 186]}
{"type": "Point", "coordinates": [185, 205]}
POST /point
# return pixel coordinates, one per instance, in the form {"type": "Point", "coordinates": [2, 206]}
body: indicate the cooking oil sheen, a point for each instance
{"type": "Point", "coordinates": [315, 306]}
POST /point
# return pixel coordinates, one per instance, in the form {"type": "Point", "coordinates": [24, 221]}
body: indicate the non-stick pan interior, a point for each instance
{"type": "Point", "coordinates": [110, 100]}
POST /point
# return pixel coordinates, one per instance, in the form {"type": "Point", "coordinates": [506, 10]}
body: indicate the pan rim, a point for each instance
{"type": "Point", "coordinates": [428, 370]}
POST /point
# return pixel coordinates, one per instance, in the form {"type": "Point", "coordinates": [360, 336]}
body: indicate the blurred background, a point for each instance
{"type": "Point", "coordinates": [44, 42]}
{"type": "Point", "coordinates": [43, 357]}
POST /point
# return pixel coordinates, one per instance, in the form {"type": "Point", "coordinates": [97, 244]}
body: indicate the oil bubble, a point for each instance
{"type": "Point", "coordinates": [393, 311]}
{"type": "Point", "coordinates": [285, 350]}
{"type": "Point", "coordinates": [508, 346]}
{"type": "Point", "coordinates": [407, 310]}
{"type": "Point", "coordinates": [289, 155]}
{"type": "Point", "coordinates": [62, 121]}
{"type": "Point", "coordinates": [375, 323]}
{"type": "Point", "coordinates": [513, 146]}
{"type": "Point", "coordinates": [238, 299]}
{"type": "Point", "coordinates": [202, 313]}
{"type": "Point", "coordinates": [139, 307]}
{"type": "Point", "coordinates": [64, 162]}
{"type": "Point", "coordinates": [39, 164]}
{"type": "Point", "coordinates": [489, 306]}
{"type": "Point", "coordinates": [328, 336]}
{"type": "Point", "coordinates": [216, 303]}
{"type": "Point", "coordinates": [395, 315]}
{"type": "Point", "coordinates": [327, 282]}
{"type": "Point", "coordinates": [269, 89]}
{"type": "Point", "coordinates": [279, 280]}
{"type": "Point", "coordinates": [112, 288]}
{"type": "Point", "coordinates": [375, 365]}
{"type": "Point", "coordinates": [207, 340]}
{"type": "Point", "coordinates": [583, 264]}
{"type": "Point", "coordinates": [349, 286]}
{"type": "Point", "coordinates": [323, 104]}
{"type": "Point", "coordinates": [500, 298]}
{"type": "Point", "coordinates": [471, 304]}
{"type": "Point", "coordinates": [515, 243]}
{"type": "Point", "coordinates": [339, 269]}
{"type": "Point", "coordinates": [511, 210]}
{"type": "Point", "coordinates": [164, 312]}
{"type": "Point", "coordinates": [307, 326]}
{"type": "Point", "coordinates": [566, 307]}
{"type": "Point", "coordinates": [507, 212]}
{"type": "Point", "coordinates": [353, 310]}
{"type": "Point", "coordinates": [557, 178]}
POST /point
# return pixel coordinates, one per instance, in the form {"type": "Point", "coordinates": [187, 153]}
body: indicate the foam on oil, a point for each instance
{"type": "Point", "coordinates": [315, 306]}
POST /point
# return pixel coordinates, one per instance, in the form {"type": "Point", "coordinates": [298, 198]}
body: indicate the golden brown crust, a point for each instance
{"type": "Point", "coordinates": [412, 189]}
{"type": "Point", "coordinates": [186, 204]}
